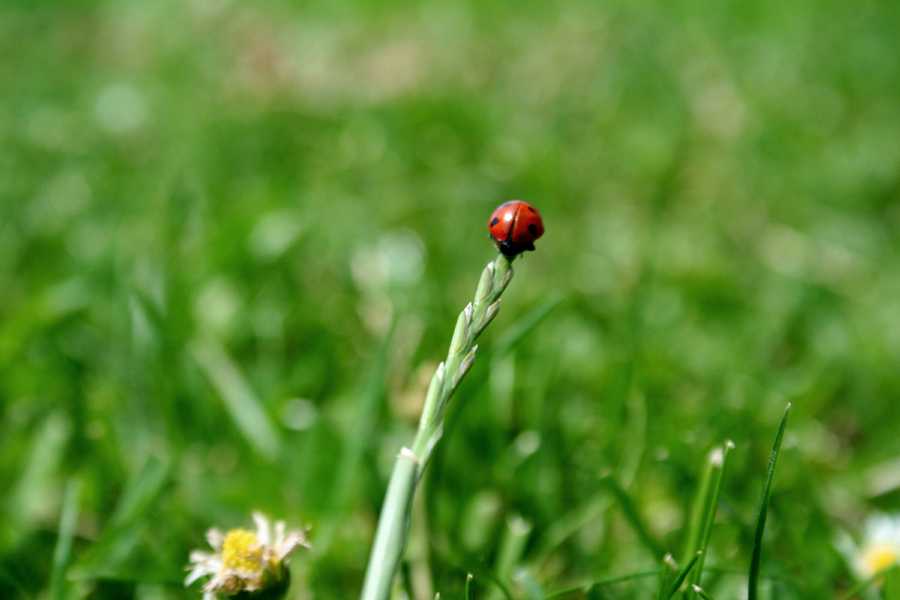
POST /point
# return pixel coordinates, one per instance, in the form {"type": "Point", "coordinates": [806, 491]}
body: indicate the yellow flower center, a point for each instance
{"type": "Point", "coordinates": [879, 556]}
{"type": "Point", "coordinates": [241, 551]}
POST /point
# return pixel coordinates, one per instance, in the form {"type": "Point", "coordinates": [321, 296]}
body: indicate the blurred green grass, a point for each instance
{"type": "Point", "coordinates": [304, 187]}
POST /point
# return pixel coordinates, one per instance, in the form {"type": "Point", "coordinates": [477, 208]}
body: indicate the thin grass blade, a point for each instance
{"type": "Point", "coordinates": [122, 532]}
{"type": "Point", "coordinates": [241, 402]}
{"type": "Point", "coordinates": [753, 579]}
{"type": "Point", "coordinates": [682, 575]}
{"type": "Point", "coordinates": [524, 325]}
{"type": "Point", "coordinates": [701, 508]}
{"type": "Point", "coordinates": [859, 587]}
{"type": "Point", "coordinates": [363, 427]}
{"type": "Point", "coordinates": [601, 583]}
{"type": "Point", "coordinates": [705, 511]}
{"type": "Point", "coordinates": [891, 590]}
{"type": "Point", "coordinates": [13, 582]}
{"type": "Point", "coordinates": [571, 523]}
{"type": "Point", "coordinates": [485, 572]}
{"type": "Point", "coordinates": [631, 513]}
{"type": "Point", "coordinates": [63, 550]}
{"type": "Point", "coordinates": [701, 592]}
{"type": "Point", "coordinates": [512, 546]}
{"type": "Point", "coordinates": [635, 441]}
{"type": "Point", "coordinates": [668, 570]}
{"type": "Point", "coordinates": [28, 495]}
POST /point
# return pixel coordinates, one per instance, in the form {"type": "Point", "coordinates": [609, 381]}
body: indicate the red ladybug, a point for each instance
{"type": "Point", "coordinates": [514, 226]}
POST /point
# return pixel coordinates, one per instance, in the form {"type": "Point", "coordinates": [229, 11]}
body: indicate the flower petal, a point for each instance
{"type": "Point", "coordinates": [263, 533]}
{"type": "Point", "coordinates": [194, 576]}
{"type": "Point", "coordinates": [215, 537]}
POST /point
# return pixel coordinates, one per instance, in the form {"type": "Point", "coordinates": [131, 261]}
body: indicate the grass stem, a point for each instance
{"type": "Point", "coordinates": [393, 523]}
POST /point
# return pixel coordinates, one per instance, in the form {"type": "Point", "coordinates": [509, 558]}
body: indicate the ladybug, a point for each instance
{"type": "Point", "coordinates": [514, 226]}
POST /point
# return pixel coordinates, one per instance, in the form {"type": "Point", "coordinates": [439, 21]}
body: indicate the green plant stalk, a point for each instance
{"type": "Point", "coordinates": [393, 523]}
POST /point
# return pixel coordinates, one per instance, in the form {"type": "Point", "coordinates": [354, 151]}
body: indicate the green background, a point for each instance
{"type": "Point", "coordinates": [235, 237]}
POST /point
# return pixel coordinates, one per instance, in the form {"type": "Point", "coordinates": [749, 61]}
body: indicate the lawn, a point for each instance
{"type": "Point", "coordinates": [235, 238]}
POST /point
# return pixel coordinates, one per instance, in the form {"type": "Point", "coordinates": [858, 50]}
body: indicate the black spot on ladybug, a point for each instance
{"type": "Point", "coordinates": [494, 221]}
{"type": "Point", "coordinates": [530, 208]}
{"type": "Point", "coordinates": [533, 230]}
{"type": "Point", "coordinates": [506, 204]}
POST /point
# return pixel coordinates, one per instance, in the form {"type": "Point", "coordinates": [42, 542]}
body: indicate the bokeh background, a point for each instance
{"type": "Point", "coordinates": [235, 237]}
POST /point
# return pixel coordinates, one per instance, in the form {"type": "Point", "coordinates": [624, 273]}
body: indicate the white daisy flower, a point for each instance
{"type": "Point", "coordinates": [880, 547]}
{"type": "Point", "coordinates": [881, 544]}
{"type": "Point", "coordinates": [245, 561]}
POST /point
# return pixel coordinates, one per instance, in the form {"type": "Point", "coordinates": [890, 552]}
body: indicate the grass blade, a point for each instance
{"type": "Point", "coordinates": [859, 587]}
{"type": "Point", "coordinates": [601, 583]}
{"type": "Point", "coordinates": [753, 579]}
{"type": "Point", "coordinates": [701, 507]}
{"type": "Point", "coordinates": [705, 511]}
{"type": "Point", "coordinates": [892, 583]}
{"type": "Point", "coordinates": [469, 591]}
{"type": "Point", "coordinates": [682, 575]}
{"type": "Point", "coordinates": [29, 495]}
{"type": "Point", "coordinates": [512, 546]}
{"type": "Point", "coordinates": [571, 523]}
{"type": "Point", "coordinates": [245, 408]}
{"type": "Point", "coordinates": [631, 513]}
{"type": "Point", "coordinates": [106, 557]}
{"type": "Point", "coordinates": [701, 592]}
{"type": "Point", "coordinates": [63, 550]}
{"type": "Point", "coordinates": [363, 428]}
{"type": "Point", "coordinates": [524, 325]}
{"type": "Point", "coordinates": [13, 582]}
{"type": "Point", "coordinates": [667, 572]}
